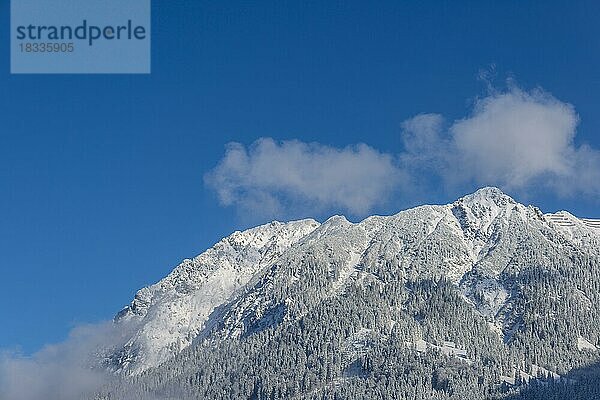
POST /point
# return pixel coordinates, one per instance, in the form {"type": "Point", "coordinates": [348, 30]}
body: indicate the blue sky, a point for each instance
{"type": "Point", "coordinates": [108, 181]}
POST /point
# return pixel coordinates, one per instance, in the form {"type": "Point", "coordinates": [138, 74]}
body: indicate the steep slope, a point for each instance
{"type": "Point", "coordinates": [166, 317]}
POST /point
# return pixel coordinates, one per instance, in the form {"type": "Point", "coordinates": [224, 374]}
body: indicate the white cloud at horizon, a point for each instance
{"type": "Point", "coordinates": [69, 370]}
{"type": "Point", "coordinates": [61, 371]}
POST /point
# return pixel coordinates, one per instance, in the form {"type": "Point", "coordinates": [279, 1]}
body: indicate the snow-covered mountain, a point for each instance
{"type": "Point", "coordinates": [484, 245]}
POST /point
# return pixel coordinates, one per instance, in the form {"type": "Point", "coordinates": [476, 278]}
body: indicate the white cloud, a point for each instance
{"type": "Point", "coordinates": [60, 371]}
{"type": "Point", "coordinates": [513, 139]}
{"type": "Point", "coordinates": [423, 142]}
{"type": "Point", "coordinates": [70, 370]}
{"type": "Point", "coordinates": [273, 178]}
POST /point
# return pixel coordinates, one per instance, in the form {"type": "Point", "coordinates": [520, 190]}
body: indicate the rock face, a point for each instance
{"type": "Point", "coordinates": [494, 253]}
{"type": "Point", "coordinates": [167, 316]}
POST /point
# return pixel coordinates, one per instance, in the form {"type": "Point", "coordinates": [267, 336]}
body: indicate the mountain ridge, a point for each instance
{"type": "Point", "coordinates": [167, 317]}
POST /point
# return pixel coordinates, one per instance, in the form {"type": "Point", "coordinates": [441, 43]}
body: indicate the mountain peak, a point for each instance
{"type": "Point", "coordinates": [487, 195]}
{"type": "Point", "coordinates": [477, 211]}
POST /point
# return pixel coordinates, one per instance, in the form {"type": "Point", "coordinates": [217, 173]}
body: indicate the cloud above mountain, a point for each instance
{"type": "Point", "coordinates": [513, 139]}
{"type": "Point", "coordinates": [270, 177]}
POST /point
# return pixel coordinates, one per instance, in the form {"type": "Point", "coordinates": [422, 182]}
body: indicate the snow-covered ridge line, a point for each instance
{"type": "Point", "coordinates": [591, 223]}
{"type": "Point", "coordinates": [563, 218]}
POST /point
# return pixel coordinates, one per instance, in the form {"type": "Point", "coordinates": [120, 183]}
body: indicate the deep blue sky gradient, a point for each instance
{"type": "Point", "coordinates": [101, 187]}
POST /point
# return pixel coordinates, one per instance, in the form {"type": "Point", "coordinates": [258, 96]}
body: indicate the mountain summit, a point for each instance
{"type": "Point", "coordinates": [495, 289]}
